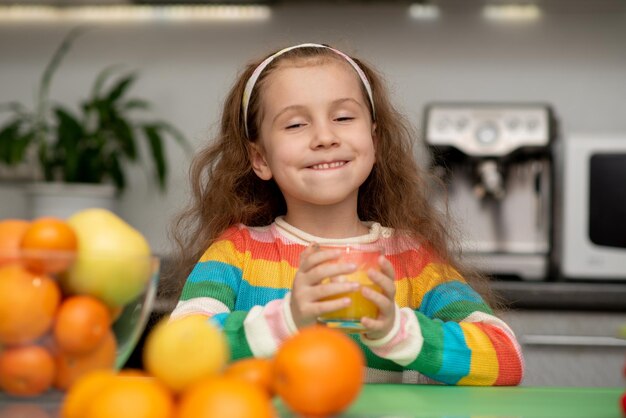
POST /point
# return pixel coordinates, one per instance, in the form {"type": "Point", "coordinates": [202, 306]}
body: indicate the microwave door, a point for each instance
{"type": "Point", "coordinates": [593, 234]}
{"type": "Point", "coordinates": [607, 200]}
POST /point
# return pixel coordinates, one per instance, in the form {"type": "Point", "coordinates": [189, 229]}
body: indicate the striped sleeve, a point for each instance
{"type": "Point", "coordinates": [254, 318]}
{"type": "Point", "coordinates": [453, 337]}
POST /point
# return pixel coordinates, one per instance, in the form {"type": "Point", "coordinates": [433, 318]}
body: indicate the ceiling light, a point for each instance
{"type": "Point", "coordinates": [122, 13]}
{"type": "Point", "coordinates": [421, 11]}
{"type": "Point", "coordinates": [512, 12]}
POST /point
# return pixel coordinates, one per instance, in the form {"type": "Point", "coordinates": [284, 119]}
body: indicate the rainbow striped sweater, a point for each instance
{"type": "Point", "coordinates": [444, 332]}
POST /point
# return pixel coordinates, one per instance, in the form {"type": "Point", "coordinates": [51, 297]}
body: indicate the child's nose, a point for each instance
{"type": "Point", "coordinates": [324, 136]}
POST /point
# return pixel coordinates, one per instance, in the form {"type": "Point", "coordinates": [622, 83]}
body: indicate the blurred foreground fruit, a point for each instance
{"type": "Point", "coordinates": [319, 371]}
{"type": "Point", "coordinates": [258, 371]}
{"type": "Point", "coordinates": [225, 397]}
{"type": "Point", "coordinates": [70, 367]}
{"type": "Point", "coordinates": [51, 335]}
{"type": "Point", "coordinates": [11, 232]}
{"type": "Point", "coordinates": [184, 351]}
{"type": "Point", "coordinates": [131, 397]}
{"type": "Point", "coordinates": [81, 324]}
{"type": "Point", "coordinates": [81, 393]}
{"type": "Point", "coordinates": [42, 239]}
{"type": "Point", "coordinates": [26, 370]}
{"type": "Point", "coordinates": [28, 303]}
{"type": "Point", "coordinates": [112, 262]}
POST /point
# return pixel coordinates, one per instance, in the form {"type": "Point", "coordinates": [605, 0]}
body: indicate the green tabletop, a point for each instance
{"type": "Point", "coordinates": [421, 401]}
{"type": "Point", "coordinates": [400, 401]}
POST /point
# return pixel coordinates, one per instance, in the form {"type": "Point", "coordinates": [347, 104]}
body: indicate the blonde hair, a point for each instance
{"type": "Point", "coordinates": [226, 191]}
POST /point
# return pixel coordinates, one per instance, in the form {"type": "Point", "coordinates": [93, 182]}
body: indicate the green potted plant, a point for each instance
{"type": "Point", "coordinates": [96, 145]}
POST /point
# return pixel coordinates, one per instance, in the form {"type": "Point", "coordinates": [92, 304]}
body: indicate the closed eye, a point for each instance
{"type": "Point", "coordinates": [294, 126]}
{"type": "Point", "coordinates": [344, 119]}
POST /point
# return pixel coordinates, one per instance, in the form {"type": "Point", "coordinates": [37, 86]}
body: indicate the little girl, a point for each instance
{"type": "Point", "coordinates": [311, 152]}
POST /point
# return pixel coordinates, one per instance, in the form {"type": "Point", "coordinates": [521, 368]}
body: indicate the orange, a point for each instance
{"type": "Point", "coordinates": [131, 397]}
{"type": "Point", "coordinates": [28, 303]}
{"type": "Point", "coordinates": [225, 397]}
{"type": "Point", "coordinates": [258, 371]}
{"type": "Point", "coordinates": [70, 367]}
{"type": "Point", "coordinates": [11, 232]}
{"type": "Point", "coordinates": [23, 410]}
{"type": "Point", "coordinates": [81, 324]}
{"type": "Point", "coordinates": [79, 396]}
{"type": "Point", "coordinates": [48, 245]}
{"type": "Point", "coordinates": [26, 370]}
{"type": "Point", "coordinates": [319, 371]}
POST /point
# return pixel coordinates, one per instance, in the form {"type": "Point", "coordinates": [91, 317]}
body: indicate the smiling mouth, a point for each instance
{"type": "Point", "coordinates": [326, 166]}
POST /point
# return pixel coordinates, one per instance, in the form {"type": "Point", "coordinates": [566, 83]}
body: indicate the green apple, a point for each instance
{"type": "Point", "coordinates": [113, 260]}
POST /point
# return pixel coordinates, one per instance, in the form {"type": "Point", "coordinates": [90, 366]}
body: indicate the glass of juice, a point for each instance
{"type": "Point", "coordinates": [348, 319]}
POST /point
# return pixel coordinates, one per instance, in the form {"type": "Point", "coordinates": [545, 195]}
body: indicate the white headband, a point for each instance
{"type": "Point", "coordinates": [258, 70]}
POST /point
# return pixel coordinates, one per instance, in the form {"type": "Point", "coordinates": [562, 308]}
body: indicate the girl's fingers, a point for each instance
{"type": "Point", "coordinates": [320, 308]}
{"type": "Point", "coordinates": [386, 283]}
{"type": "Point", "coordinates": [314, 294]}
{"type": "Point", "coordinates": [386, 267]}
{"type": "Point", "coordinates": [312, 257]}
{"type": "Point", "coordinates": [318, 273]}
{"type": "Point", "coordinates": [383, 302]}
{"type": "Point", "coordinates": [372, 324]}
{"type": "Point", "coordinates": [332, 289]}
{"type": "Point", "coordinates": [306, 254]}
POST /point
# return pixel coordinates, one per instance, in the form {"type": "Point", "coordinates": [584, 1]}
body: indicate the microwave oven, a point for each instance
{"type": "Point", "coordinates": [593, 232]}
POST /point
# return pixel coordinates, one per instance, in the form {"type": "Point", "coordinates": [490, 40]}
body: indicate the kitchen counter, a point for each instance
{"type": "Point", "coordinates": [549, 295]}
{"type": "Point", "coordinates": [562, 295]}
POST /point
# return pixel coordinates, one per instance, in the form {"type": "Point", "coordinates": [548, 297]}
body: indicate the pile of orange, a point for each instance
{"type": "Point", "coordinates": [318, 372]}
{"type": "Point", "coordinates": [47, 339]}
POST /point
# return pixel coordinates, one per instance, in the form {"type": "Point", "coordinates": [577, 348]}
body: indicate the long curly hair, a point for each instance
{"type": "Point", "coordinates": [226, 191]}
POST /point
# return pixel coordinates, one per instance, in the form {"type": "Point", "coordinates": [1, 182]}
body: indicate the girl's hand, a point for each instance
{"type": "Point", "coordinates": [306, 304]}
{"type": "Point", "coordinates": [379, 327]}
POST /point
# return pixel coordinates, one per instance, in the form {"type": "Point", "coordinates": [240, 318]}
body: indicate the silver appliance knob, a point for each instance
{"type": "Point", "coordinates": [487, 133]}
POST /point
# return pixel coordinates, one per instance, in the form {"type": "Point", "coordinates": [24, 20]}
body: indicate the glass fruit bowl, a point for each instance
{"type": "Point", "coordinates": [63, 314]}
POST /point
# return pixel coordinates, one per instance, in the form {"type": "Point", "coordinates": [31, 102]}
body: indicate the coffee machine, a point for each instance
{"type": "Point", "coordinates": [496, 161]}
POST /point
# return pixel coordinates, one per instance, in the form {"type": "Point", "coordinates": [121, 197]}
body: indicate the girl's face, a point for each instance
{"type": "Point", "coordinates": [316, 134]}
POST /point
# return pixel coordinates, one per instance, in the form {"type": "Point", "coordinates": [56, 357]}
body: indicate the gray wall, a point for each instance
{"type": "Point", "coordinates": [574, 61]}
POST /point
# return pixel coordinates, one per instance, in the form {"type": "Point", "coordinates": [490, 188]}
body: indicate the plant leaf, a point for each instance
{"type": "Point", "coordinates": [45, 161]}
{"type": "Point", "coordinates": [15, 107]}
{"type": "Point", "coordinates": [70, 134]}
{"type": "Point", "coordinates": [69, 130]}
{"type": "Point", "coordinates": [176, 134]}
{"type": "Point", "coordinates": [105, 111]}
{"type": "Point", "coordinates": [156, 148]}
{"type": "Point", "coordinates": [117, 174]}
{"type": "Point", "coordinates": [53, 64]}
{"type": "Point", "coordinates": [101, 79]}
{"type": "Point", "coordinates": [123, 133]}
{"type": "Point", "coordinates": [9, 135]}
{"type": "Point", "coordinates": [136, 104]}
{"type": "Point", "coordinates": [20, 146]}
{"type": "Point", "coordinates": [14, 143]}
{"type": "Point", "coordinates": [120, 87]}
{"type": "Point", "coordinates": [91, 167]}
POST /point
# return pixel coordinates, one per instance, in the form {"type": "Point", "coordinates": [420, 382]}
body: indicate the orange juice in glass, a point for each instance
{"type": "Point", "coordinates": [348, 319]}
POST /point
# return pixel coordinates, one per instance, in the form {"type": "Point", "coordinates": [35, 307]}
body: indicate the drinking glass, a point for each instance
{"type": "Point", "coordinates": [348, 319]}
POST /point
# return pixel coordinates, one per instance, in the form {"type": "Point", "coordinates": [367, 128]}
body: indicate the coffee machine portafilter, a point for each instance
{"type": "Point", "coordinates": [497, 164]}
